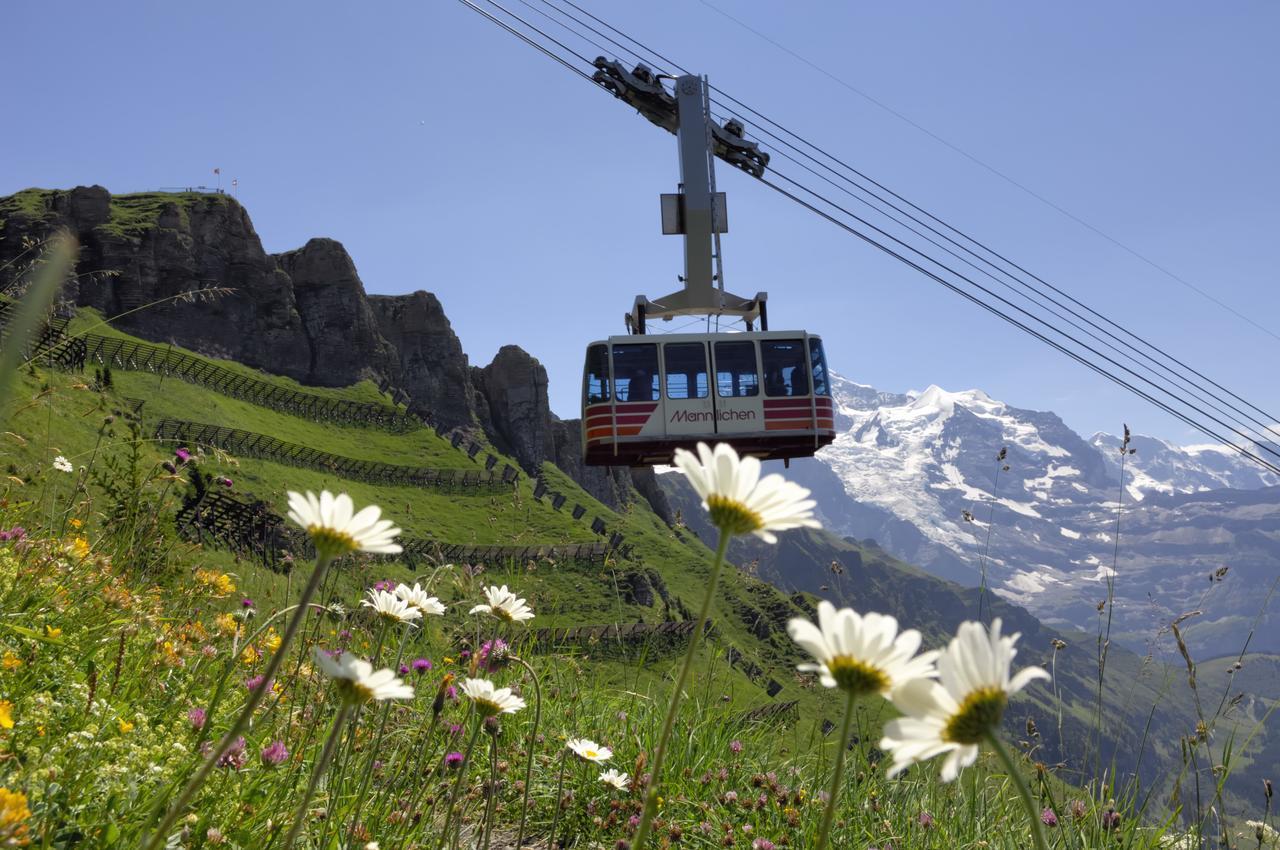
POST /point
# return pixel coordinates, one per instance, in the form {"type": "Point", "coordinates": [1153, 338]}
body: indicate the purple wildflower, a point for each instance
{"type": "Point", "coordinates": [453, 759]}
{"type": "Point", "coordinates": [1111, 820]}
{"type": "Point", "coordinates": [182, 455]}
{"type": "Point", "coordinates": [735, 746]}
{"type": "Point", "coordinates": [386, 584]}
{"type": "Point", "coordinates": [224, 481]}
{"type": "Point", "coordinates": [925, 819]}
{"type": "Point", "coordinates": [197, 717]}
{"type": "Point", "coordinates": [762, 844]}
{"type": "Point", "coordinates": [246, 603]}
{"type": "Point", "coordinates": [404, 669]}
{"type": "Point", "coordinates": [493, 655]}
{"type": "Point", "coordinates": [274, 753]}
{"type": "Point", "coordinates": [16, 534]}
{"type": "Point", "coordinates": [254, 682]}
{"type": "Point", "coordinates": [455, 729]}
{"type": "Point", "coordinates": [1048, 817]}
{"type": "Point", "coordinates": [234, 758]}
{"type": "Point", "coordinates": [421, 665]}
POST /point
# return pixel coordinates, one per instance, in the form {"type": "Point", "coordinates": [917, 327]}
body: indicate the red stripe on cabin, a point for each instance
{"type": "Point", "coordinates": [600, 419]}
{"type": "Point", "coordinates": [634, 418]}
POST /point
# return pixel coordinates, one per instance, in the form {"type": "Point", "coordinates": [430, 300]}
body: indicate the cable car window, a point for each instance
{"type": "Point", "coordinates": [635, 372]}
{"type": "Point", "coordinates": [596, 378]}
{"type": "Point", "coordinates": [784, 369]}
{"type": "Point", "coordinates": [686, 365]}
{"type": "Point", "coordinates": [736, 373]}
{"type": "Point", "coordinates": [818, 364]}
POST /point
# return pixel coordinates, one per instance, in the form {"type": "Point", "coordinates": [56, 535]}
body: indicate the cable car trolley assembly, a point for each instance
{"type": "Point", "coordinates": [644, 395]}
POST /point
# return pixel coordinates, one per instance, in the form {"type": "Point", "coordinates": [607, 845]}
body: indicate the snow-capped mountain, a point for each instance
{"type": "Point", "coordinates": [968, 487]}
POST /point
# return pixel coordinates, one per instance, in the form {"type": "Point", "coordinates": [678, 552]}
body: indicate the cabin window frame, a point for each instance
{"type": "Point", "coordinates": [655, 376]}
{"type": "Point", "coordinates": [736, 377]}
{"type": "Point", "coordinates": [667, 373]}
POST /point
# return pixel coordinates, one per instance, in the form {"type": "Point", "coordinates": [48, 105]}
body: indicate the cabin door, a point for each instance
{"type": "Point", "coordinates": [687, 398]}
{"type": "Point", "coordinates": [739, 407]}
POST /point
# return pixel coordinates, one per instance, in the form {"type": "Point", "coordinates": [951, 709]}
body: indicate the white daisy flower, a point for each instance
{"type": "Point", "coordinates": [420, 599]}
{"type": "Point", "coordinates": [955, 714]}
{"type": "Point", "coordinates": [504, 605]}
{"type": "Point", "coordinates": [491, 701]}
{"type": "Point", "coordinates": [336, 529]}
{"type": "Point", "coordinates": [618, 780]}
{"type": "Point", "coordinates": [738, 499]}
{"type": "Point", "coordinates": [588, 750]}
{"type": "Point", "coordinates": [357, 680]}
{"type": "Point", "coordinates": [61, 464]}
{"type": "Point", "coordinates": [390, 607]}
{"type": "Point", "coordinates": [861, 653]}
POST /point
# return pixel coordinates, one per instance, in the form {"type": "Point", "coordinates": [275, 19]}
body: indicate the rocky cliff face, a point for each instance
{"type": "Point", "coordinates": [304, 314]}
{"type": "Point", "coordinates": [433, 367]}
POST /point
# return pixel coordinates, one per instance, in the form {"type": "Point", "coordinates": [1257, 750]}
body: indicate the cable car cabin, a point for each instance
{"type": "Point", "coordinates": [765, 392]}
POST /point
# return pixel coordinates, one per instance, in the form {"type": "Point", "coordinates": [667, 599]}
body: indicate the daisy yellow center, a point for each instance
{"type": "Point", "coordinates": [487, 708]}
{"type": "Point", "coordinates": [590, 753]}
{"type": "Point", "coordinates": [857, 677]}
{"type": "Point", "coordinates": [731, 516]}
{"type": "Point", "coordinates": [331, 542]}
{"type": "Point", "coordinates": [979, 714]}
{"type": "Point", "coordinates": [354, 691]}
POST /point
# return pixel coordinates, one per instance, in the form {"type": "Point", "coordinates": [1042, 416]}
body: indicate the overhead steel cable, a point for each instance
{"type": "Point", "coordinates": [1109, 340]}
{"type": "Point", "coordinates": [534, 44]}
{"type": "Point", "coordinates": [1271, 419]}
{"type": "Point", "coordinates": [1118, 346]}
{"type": "Point", "coordinates": [1079, 358]}
{"type": "Point", "coordinates": [998, 173]}
{"type": "Point", "coordinates": [1175, 397]}
{"type": "Point", "coordinates": [1271, 449]}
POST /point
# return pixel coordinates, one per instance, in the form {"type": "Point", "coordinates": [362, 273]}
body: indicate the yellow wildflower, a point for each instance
{"type": "Point", "coordinates": [125, 726]}
{"type": "Point", "coordinates": [227, 624]}
{"type": "Point", "coordinates": [13, 818]}
{"type": "Point", "coordinates": [75, 523]}
{"type": "Point", "coordinates": [52, 631]}
{"type": "Point", "coordinates": [80, 548]}
{"type": "Point", "coordinates": [10, 661]}
{"type": "Point", "coordinates": [272, 640]}
{"type": "Point", "coordinates": [220, 583]}
{"type": "Point", "coordinates": [6, 714]}
{"type": "Point", "coordinates": [250, 655]}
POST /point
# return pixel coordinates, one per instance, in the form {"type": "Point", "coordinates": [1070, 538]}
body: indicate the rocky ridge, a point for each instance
{"type": "Point", "coordinates": [196, 263]}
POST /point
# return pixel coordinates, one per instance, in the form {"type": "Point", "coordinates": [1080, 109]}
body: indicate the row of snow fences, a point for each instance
{"type": "Point", "coordinates": [626, 638]}
{"type": "Point", "coordinates": [250, 444]}
{"type": "Point", "coordinates": [50, 335]}
{"type": "Point", "coordinates": [252, 529]}
{"type": "Point", "coordinates": [751, 670]}
{"type": "Point", "coordinates": [459, 440]}
{"type": "Point", "coordinates": [134, 355]}
{"type": "Point", "coordinates": [776, 712]}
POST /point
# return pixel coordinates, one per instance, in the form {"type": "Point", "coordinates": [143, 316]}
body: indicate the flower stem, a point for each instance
{"type": "Point", "coordinates": [241, 723]}
{"type": "Point", "coordinates": [837, 772]}
{"type": "Point", "coordinates": [457, 783]}
{"type": "Point", "coordinates": [335, 734]}
{"type": "Point", "coordinates": [493, 793]}
{"type": "Point", "coordinates": [533, 738]}
{"type": "Point", "coordinates": [555, 817]}
{"type": "Point", "coordinates": [655, 777]}
{"type": "Point", "coordinates": [1033, 813]}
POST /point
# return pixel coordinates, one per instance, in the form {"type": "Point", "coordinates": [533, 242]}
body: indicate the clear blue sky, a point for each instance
{"type": "Point", "coordinates": [447, 156]}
